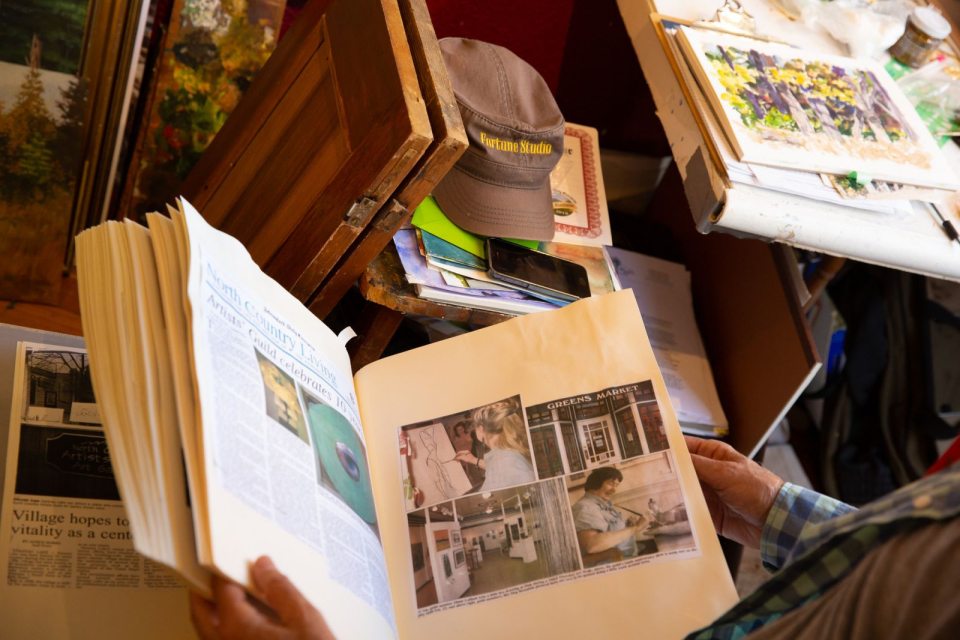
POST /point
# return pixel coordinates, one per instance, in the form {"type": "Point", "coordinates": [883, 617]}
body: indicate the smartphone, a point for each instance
{"type": "Point", "coordinates": [536, 271]}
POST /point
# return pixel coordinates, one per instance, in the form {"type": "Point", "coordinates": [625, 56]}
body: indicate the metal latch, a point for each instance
{"type": "Point", "coordinates": [360, 211]}
{"type": "Point", "coordinates": [390, 216]}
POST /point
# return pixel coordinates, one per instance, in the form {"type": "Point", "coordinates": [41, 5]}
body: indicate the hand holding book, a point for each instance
{"type": "Point", "coordinates": [231, 616]}
{"type": "Point", "coordinates": [349, 482]}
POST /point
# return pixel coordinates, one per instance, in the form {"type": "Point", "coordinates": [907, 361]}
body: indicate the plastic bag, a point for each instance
{"type": "Point", "coordinates": [934, 91]}
{"type": "Point", "coordinates": [866, 29]}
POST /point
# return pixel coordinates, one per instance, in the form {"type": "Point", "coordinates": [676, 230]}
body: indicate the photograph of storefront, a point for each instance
{"type": "Point", "coordinates": [575, 434]}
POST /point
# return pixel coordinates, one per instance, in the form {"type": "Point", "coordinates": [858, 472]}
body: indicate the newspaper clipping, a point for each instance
{"type": "Point", "coordinates": [503, 498]}
{"type": "Point", "coordinates": [287, 440]}
{"type": "Point", "coordinates": [64, 527]}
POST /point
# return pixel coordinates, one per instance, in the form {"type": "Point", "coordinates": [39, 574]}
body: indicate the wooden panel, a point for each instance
{"type": "Point", "coordinates": [375, 328]}
{"type": "Point", "coordinates": [334, 117]}
{"type": "Point", "coordinates": [311, 155]}
{"type": "Point", "coordinates": [63, 318]}
{"type": "Point", "coordinates": [386, 120]}
{"type": "Point", "coordinates": [449, 143]}
{"type": "Point", "coordinates": [305, 89]}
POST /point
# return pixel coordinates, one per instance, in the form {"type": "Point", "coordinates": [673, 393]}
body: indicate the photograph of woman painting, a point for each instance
{"type": "Point", "coordinates": [464, 438]}
{"type": "Point", "coordinates": [507, 463]}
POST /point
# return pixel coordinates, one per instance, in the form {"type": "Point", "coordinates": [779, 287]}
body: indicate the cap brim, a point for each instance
{"type": "Point", "coordinates": [496, 211]}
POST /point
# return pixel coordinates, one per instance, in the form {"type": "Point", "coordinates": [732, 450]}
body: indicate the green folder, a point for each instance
{"type": "Point", "coordinates": [431, 219]}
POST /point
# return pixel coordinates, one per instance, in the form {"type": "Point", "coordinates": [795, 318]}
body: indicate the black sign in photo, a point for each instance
{"type": "Point", "coordinates": [64, 463]}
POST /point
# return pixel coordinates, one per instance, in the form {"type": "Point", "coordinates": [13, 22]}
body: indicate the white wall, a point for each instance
{"type": "Point", "coordinates": [489, 544]}
{"type": "Point", "coordinates": [453, 587]}
{"type": "Point", "coordinates": [648, 477]}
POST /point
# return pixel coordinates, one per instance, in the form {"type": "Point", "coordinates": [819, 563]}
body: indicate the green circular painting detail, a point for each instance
{"type": "Point", "coordinates": [342, 459]}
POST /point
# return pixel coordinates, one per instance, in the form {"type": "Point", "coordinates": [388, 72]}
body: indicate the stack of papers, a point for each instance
{"type": "Point", "coordinates": [444, 273]}
{"type": "Point", "coordinates": [662, 290]}
{"type": "Point", "coordinates": [431, 284]}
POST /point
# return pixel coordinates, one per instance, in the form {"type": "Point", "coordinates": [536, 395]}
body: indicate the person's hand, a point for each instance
{"type": "Point", "coordinates": [639, 524]}
{"type": "Point", "coordinates": [739, 492]}
{"type": "Point", "coordinates": [467, 457]}
{"type": "Point", "coordinates": [232, 617]}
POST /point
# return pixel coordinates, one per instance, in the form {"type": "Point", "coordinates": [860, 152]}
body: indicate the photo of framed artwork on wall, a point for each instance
{"type": "Point", "coordinates": [455, 538]}
{"type": "Point", "coordinates": [447, 569]}
{"type": "Point", "coordinates": [442, 538]}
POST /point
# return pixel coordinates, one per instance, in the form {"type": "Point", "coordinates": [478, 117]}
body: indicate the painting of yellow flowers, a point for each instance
{"type": "Point", "coordinates": [791, 108]}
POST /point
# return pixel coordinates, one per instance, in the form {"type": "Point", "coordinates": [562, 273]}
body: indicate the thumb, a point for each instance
{"type": "Point", "coordinates": [279, 592]}
{"type": "Point", "coordinates": [716, 474]}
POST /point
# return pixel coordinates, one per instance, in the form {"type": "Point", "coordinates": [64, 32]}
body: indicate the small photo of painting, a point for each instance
{"type": "Point", "coordinates": [442, 538]}
{"type": "Point", "coordinates": [280, 393]}
{"type": "Point", "coordinates": [416, 553]}
{"type": "Point", "coordinates": [341, 458]}
{"type": "Point", "coordinates": [787, 107]}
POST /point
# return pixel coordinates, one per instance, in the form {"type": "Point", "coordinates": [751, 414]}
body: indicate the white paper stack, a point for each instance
{"type": "Point", "coordinates": [662, 290]}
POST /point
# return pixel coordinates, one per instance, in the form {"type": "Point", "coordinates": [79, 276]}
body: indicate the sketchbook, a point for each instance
{"type": "Point", "coordinates": [438, 493]}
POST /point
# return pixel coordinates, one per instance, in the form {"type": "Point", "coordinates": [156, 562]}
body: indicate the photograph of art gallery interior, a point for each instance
{"type": "Point", "coordinates": [629, 509]}
{"type": "Point", "coordinates": [479, 449]}
{"type": "Point", "coordinates": [492, 541]}
{"type": "Point", "coordinates": [583, 432]}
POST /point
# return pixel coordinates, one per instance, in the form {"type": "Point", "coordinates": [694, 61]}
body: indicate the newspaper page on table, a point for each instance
{"type": "Point", "coordinates": [534, 479]}
{"type": "Point", "coordinates": [284, 453]}
{"type": "Point", "coordinates": [67, 563]}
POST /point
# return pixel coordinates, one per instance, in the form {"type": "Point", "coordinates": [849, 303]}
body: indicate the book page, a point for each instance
{"type": "Point", "coordinates": [67, 563]}
{"type": "Point", "coordinates": [284, 455]}
{"type": "Point", "coordinates": [580, 514]}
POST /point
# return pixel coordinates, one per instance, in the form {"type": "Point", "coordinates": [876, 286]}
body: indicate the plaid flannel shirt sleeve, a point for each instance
{"type": "Point", "coordinates": [794, 509]}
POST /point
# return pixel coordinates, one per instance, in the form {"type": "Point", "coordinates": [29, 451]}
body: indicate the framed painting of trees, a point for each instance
{"type": "Point", "coordinates": [64, 66]}
{"type": "Point", "coordinates": [786, 107]}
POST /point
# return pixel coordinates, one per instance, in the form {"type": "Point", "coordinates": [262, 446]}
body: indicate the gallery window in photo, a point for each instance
{"type": "Point", "coordinates": [59, 389]}
{"type": "Point", "coordinates": [583, 432]}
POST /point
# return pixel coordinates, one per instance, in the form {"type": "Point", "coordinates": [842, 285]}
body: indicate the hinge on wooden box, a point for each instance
{"type": "Point", "coordinates": [360, 211]}
{"type": "Point", "coordinates": [391, 215]}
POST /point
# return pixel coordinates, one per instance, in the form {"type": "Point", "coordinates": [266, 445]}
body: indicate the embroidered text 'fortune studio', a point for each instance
{"type": "Point", "coordinates": [512, 146]}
